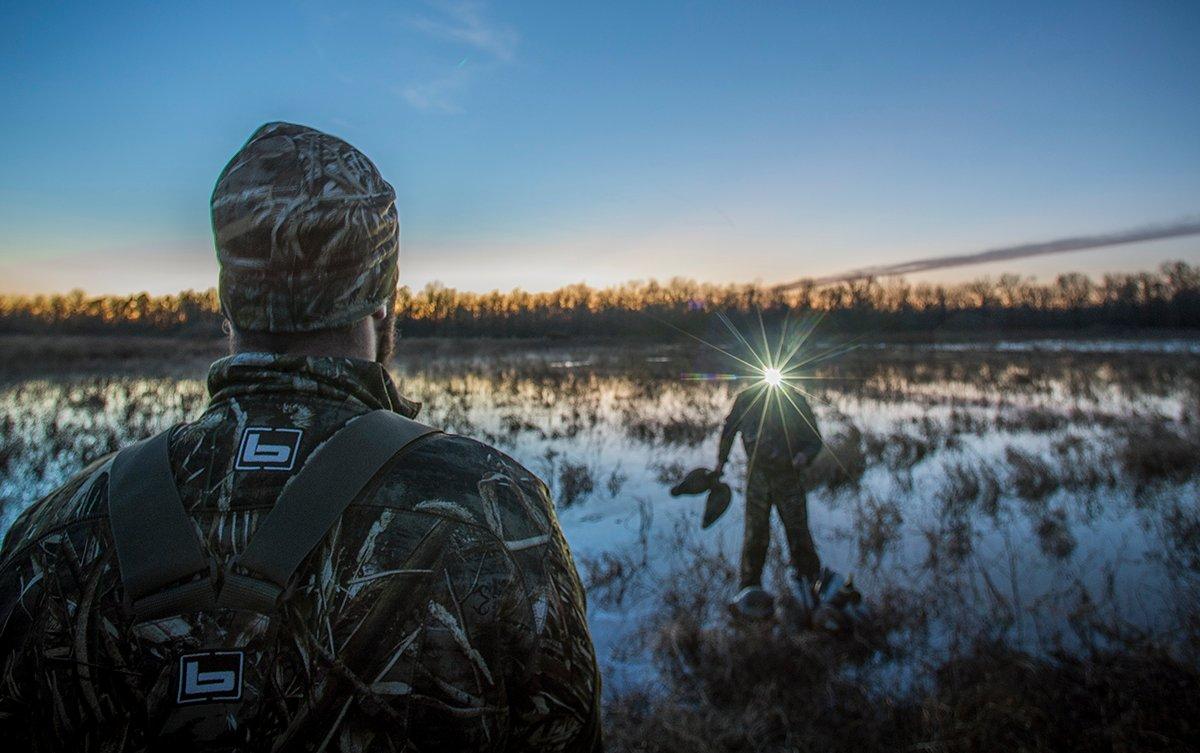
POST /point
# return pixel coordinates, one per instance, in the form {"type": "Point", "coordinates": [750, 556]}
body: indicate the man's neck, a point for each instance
{"type": "Point", "coordinates": [314, 351]}
{"type": "Point", "coordinates": [358, 341]}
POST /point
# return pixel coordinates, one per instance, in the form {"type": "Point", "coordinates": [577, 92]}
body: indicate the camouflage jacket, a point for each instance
{"type": "Point", "coordinates": [776, 423]}
{"type": "Point", "coordinates": [486, 649]}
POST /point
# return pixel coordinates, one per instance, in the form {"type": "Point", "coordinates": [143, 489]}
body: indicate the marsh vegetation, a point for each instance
{"type": "Point", "coordinates": [1023, 523]}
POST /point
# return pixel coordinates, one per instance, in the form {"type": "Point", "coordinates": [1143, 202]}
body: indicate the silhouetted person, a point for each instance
{"type": "Point", "coordinates": [781, 439]}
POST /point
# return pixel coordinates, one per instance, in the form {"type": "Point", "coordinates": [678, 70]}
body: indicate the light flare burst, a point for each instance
{"type": "Point", "coordinates": [774, 365]}
{"type": "Point", "coordinates": [777, 371]}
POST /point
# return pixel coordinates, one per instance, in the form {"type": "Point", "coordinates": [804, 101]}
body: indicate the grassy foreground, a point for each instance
{"type": "Point", "coordinates": [940, 444]}
{"type": "Point", "coordinates": [772, 687]}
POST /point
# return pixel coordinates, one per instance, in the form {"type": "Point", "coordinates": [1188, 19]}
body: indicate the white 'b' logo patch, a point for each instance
{"type": "Point", "coordinates": [210, 676]}
{"type": "Point", "coordinates": [266, 449]}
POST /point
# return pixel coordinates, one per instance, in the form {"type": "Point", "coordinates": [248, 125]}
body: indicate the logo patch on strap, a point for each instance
{"type": "Point", "coordinates": [211, 676]}
{"type": "Point", "coordinates": [266, 449]}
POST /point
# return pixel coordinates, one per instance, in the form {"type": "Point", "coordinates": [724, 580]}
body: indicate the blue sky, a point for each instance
{"type": "Point", "coordinates": [538, 144]}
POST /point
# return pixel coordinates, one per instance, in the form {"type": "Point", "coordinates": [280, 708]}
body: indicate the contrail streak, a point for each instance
{"type": "Point", "coordinates": [1080, 243]}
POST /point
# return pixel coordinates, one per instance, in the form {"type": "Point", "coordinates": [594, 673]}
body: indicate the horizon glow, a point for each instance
{"type": "Point", "coordinates": [543, 144]}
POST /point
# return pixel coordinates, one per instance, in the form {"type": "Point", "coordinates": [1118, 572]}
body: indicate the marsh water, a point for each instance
{"type": "Point", "coordinates": [1044, 495]}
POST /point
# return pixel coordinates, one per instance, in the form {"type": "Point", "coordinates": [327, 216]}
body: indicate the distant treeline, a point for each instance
{"type": "Point", "coordinates": [1166, 299]}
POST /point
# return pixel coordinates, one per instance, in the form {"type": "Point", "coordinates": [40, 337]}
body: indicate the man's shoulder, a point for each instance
{"type": "Point", "coordinates": [458, 454]}
{"type": "Point", "coordinates": [746, 398]}
{"type": "Point", "coordinates": [80, 500]}
{"type": "Point", "coordinates": [466, 480]}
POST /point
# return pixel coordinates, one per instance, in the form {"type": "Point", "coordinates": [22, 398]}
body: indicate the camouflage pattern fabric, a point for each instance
{"type": "Point", "coordinates": [443, 612]}
{"type": "Point", "coordinates": [784, 491]}
{"type": "Point", "coordinates": [775, 426]}
{"type": "Point", "coordinates": [306, 232]}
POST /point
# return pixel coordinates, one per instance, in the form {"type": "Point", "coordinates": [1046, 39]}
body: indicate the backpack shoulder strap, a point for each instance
{"type": "Point", "coordinates": [156, 543]}
{"type": "Point", "coordinates": [312, 502]}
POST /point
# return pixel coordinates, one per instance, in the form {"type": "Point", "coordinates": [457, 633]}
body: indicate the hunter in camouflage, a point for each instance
{"type": "Point", "coordinates": [781, 440]}
{"type": "Point", "coordinates": [442, 611]}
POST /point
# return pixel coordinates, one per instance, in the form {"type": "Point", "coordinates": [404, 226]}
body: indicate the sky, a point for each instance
{"type": "Point", "coordinates": [537, 144]}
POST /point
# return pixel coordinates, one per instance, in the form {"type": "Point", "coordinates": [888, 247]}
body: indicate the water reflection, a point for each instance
{"type": "Point", "coordinates": [1041, 497]}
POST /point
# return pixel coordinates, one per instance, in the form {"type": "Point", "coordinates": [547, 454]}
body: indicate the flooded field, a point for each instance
{"type": "Point", "coordinates": [1040, 498]}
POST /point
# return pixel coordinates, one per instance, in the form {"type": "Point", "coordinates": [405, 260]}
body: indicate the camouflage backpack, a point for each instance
{"type": "Point", "coordinates": [219, 676]}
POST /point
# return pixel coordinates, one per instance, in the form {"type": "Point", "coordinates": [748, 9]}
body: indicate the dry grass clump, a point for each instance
{"type": "Point", "coordinates": [989, 489]}
{"type": "Point", "coordinates": [961, 487]}
{"type": "Point", "coordinates": [674, 430]}
{"type": "Point", "coordinates": [615, 481]}
{"type": "Point", "coordinates": [610, 577]}
{"type": "Point", "coordinates": [575, 481]}
{"type": "Point", "coordinates": [1151, 452]}
{"type": "Point", "coordinates": [877, 527]}
{"type": "Point", "coordinates": [966, 422]}
{"type": "Point", "coordinates": [1181, 524]}
{"type": "Point", "coordinates": [667, 473]}
{"type": "Point", "coordinates": [902, 451]}
{"type": "Point", "coordinates": [1079, 469]}
{"type": "Point", "coordinates": [1037, 420]}
{"type": "Point", "coordinates": [767, 689]}
{"type": "Point", "coordinates": [998, 699]}
{"type": "Point", "coordinates": [514, 425]}
{"type": "Point", "coordinates": [1054, 535]}
{"type": "Point", "coordinates": [1030, 476]}
{"type": "Point", "coordinates": [951, 539]}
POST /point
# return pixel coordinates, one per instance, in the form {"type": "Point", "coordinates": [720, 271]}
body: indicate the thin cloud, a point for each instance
{"type": "Point", "coordinates": [464, 22]}
{"type": "Point", "coordinates": [1180, 229]}
{"type": "Point", "coordinates": [439, 94]}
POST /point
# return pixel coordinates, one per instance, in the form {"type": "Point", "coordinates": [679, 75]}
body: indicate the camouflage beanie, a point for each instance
{"type": "Point", "coordinates": [306, 232]}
